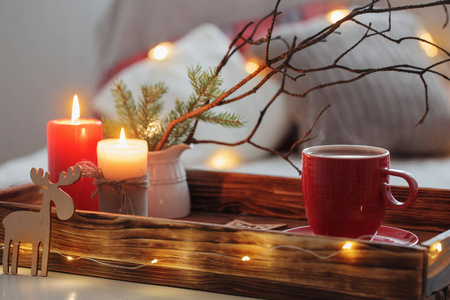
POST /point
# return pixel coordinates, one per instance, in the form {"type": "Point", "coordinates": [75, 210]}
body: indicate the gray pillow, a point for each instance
{"type": "Point", "coordinates": [380, 109]}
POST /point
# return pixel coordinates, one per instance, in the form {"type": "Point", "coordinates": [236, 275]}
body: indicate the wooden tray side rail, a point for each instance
{"type": "Point", "coordinates": [282, 197]}
{"type": "Point", "coordinates": [283, 263]}
{"type": "Point", "coordinates": [210, 256]}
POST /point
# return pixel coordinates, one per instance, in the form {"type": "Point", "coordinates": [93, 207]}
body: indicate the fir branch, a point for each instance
{"type": "Point", "coordinates": [149, 104]}
{"type": "Point", "coordinates": [230, 120]}
{"type": "Point", "coordinates": [125, 106]}
{"type": "Point", "coordinates": [206, 85]}
{"type": "Point", "coordinates": [144, 121]}
{"type": "Point", "coordinates": [150, 107]}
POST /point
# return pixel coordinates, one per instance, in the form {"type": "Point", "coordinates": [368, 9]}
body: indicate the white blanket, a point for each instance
{"type": "Point", "coordinates": [429, 172]}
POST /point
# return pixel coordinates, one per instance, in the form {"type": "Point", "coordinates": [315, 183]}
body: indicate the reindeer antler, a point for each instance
{"type": "Point", "coordinates": [38, 178]}
{"type": "Point", "coordinates": [69, 177]}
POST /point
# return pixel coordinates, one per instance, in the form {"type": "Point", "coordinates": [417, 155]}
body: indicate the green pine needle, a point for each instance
{"type": "Point", "coordinates": [142, 119]}
{"type": "Point", "coordinates": [231, 120]}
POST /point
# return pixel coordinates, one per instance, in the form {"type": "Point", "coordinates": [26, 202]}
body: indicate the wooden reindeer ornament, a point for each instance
{"type": "Point", "coordinates": [35, 227]}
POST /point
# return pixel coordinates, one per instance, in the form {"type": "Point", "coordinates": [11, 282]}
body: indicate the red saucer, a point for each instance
{"type": "Point", "coordinates": [385, 234]}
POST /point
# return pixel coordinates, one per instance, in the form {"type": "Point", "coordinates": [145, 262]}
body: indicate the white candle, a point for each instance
{"type": "Point", "coordinates": [122, 158]}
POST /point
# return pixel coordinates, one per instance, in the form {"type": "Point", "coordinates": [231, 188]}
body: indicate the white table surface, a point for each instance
{"type": "Point", "coordinates": [63, 286]}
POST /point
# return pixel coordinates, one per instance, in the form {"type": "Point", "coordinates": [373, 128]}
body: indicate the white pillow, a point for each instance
{"type": "Point", "coordinates": [206, 45]}
{"type": "Point", "coordinates": [380, 109]}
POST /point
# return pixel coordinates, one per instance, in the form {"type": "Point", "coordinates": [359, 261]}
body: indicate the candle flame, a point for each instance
{"type": "Point", "coordinates": [122, 140]}
{"type": "Point", "coordinates": [75, 110]}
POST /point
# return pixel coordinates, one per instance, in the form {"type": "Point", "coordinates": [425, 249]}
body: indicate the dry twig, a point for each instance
{"type": "Point", "coordinates": [281, 65]}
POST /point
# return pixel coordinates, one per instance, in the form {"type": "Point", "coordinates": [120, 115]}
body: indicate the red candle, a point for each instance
{"type": "Point", "coordinates": [70, 141]}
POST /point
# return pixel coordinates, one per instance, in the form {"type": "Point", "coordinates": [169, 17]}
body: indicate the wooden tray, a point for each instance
{"type": "Point", "coordinates": [199, 252]}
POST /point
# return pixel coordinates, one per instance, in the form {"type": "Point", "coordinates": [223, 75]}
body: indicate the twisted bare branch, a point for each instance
{"type": "Point", "coordinates": [280, 64]}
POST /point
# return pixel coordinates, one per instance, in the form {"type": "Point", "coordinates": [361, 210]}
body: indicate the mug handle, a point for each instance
{"type": "Point", "coordinates": [386, 189]}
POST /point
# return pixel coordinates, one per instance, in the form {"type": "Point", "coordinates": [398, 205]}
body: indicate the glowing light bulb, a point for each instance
{"type": "Point", "coordinates": [251, 66]}
{"type": "Point", "coordinates": [73, 296]}
{"type": "Point", "coordinates": [153, 128]}
{"type": "Point", "coordinates": [435, 249]}
{"type": "Point", "coordinates": [246, 258]}
{"type": "Point", "coordinates": [75, 110]}
{"type": "Point", "coordinates": [161, 51]}
{"type": "Point", "coordinates": [430, 50]}
{"type": "Point", "coordinates": [69, 258]}
{"type": "Point", "coordinates": [154, 261]}
{"type": "Point", "coordinates": [439, 247]}
{"type": "Point", "coordinates": [224, 159]}
{"type": "Point", "coordinates": [337, 15]}
{"type": "Point", "coordinates": [347, 246]}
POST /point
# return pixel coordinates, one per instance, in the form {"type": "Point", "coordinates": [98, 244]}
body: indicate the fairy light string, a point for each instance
{"type": "Point", "coordinates": [346, 246]}
{"type": "Point", "coordinates": [434, 251]}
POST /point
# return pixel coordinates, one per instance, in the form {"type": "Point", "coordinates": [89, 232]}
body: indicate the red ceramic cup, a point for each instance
{"type": "Point", "coordinates": [346, 189]}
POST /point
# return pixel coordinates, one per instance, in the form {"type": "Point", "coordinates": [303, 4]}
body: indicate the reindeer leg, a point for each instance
{"type": "Point", "coordinates": [35, 259]}
{"type": "Point", "coordinates": [15, 258]}
{"type": "Point", "coordinates": [45, 253]}
{"type": "Point", "coordinates": [6, 252]}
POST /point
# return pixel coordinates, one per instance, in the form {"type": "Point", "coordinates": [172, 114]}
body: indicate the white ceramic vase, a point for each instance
{"type": "Point", "coordinates": [168, 194]}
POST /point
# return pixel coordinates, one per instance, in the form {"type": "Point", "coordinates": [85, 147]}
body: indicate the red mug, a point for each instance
{"type": "Point", "coordinates": [346, 189]}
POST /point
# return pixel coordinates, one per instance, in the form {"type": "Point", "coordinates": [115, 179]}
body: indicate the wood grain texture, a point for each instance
{"type": "Point", "coordinates": [438, 265]}
{"type": "Point", "coordinates": [202, 255]}
{"type": "Point", "coordinates": [282, 197]}
{"type": "Point", "coordinates": [28, 193]}
{"type": "Point", "coordinates": [243, 193]}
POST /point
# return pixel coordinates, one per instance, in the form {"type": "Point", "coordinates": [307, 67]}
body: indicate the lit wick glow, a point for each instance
{"type": "Point", "coordinates": [154, 261]}
{"type": "Point", "coordinates": [75, 110]}
{"type": "Point", "coordinates": [246, 258]}
{"type": "Point", "coordinates": [122, 140]}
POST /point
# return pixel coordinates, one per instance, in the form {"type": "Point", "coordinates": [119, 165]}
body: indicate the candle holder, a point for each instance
{"type": "Point", "coordinates": [124, 196]}
{"type": "Point", "coordinates": [127, 196]}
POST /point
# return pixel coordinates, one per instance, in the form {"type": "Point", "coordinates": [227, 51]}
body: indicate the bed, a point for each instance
{"type": "Point", "coordinates": [381, 111]}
